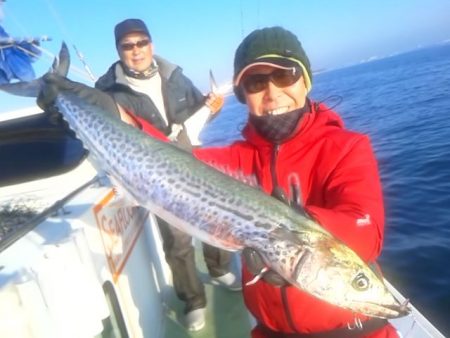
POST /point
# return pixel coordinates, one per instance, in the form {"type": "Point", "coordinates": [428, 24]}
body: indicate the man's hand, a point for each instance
{"type": "Point", "coordinates": [214, 102]}
{"type": "Point", "coordinates": [257, 267]}
{"type": "Point", "coordinates": [252, 258]}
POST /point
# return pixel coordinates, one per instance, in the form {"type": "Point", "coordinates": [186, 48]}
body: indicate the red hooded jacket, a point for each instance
{"type": "Point", "coordinates": [340, 188]}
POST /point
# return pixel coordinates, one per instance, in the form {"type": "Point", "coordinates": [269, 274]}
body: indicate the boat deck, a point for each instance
{"type": "Point", "coordinates": [226, 315]}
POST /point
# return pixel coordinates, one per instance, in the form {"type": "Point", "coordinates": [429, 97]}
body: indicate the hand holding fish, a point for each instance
{"type": "Point", "coordinates": [257, 267]}
{"type": "Point", "coordinates": [54, 83]}
{"type": "Point", "coordinates": [253, 259]}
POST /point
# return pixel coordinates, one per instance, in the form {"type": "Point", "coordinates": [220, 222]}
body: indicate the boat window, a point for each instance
{"type": "Point", "coordinates": [114, 325]}
{"type": "Point", "coordinates": [36, 147]}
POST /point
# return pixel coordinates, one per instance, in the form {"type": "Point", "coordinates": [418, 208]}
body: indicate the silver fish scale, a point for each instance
{"type": "Point", "coordinates": [187, 193]}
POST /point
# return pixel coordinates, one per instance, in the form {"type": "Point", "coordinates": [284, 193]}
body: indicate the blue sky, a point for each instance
{"type": "Point", "coordinates": [203, 35]}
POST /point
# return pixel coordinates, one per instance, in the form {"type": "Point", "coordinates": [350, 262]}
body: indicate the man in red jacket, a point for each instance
{"type": "Point", "coordinates": [300, 152]}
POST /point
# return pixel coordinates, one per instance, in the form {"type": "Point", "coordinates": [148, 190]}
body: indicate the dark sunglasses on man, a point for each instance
{"type": "Point", "coordinates": [127, 46]}
{"type": "Point", "coordinates": [281, 78]}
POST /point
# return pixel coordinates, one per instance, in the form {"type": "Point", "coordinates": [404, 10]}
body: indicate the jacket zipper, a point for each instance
{"type": "Point", "coordinates": [286, 309]}
{"type": "Point", "coordinates": [275, 188]}
{"type": "Point", "coordinates": [273, 164]}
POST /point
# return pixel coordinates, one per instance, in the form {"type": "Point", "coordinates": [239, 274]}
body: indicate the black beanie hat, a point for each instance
{"type": "Point", "coordinates": [274, 46]}
{"type": "Point", "coordinates": [130, 26]}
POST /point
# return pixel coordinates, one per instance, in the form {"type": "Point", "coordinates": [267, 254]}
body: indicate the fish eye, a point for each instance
{"type": "Point", "coordinates": [360, 282]}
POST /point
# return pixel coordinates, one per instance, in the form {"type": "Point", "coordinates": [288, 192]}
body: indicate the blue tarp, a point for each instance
{"type": "Point", "coordinates": [15, 61]}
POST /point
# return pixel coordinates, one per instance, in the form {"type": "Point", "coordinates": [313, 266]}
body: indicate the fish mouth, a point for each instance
{"type": "Point", "coordinates": [402, 309]}
{"type": "Point", "coordinates": [389, 311]}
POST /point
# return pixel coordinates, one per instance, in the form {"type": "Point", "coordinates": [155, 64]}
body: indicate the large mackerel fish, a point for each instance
{"type": "Point", "coordinates": [218, 209]}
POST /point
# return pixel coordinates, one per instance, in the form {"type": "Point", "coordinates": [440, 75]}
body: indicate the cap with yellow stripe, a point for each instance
{"type": "Point", "coordinates": [272, 46]}
{"type": "Point", "coordinates": [277, 61]}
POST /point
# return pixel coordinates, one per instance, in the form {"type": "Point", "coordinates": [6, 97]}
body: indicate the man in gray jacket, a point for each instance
{"type": "Point", "coordinates": [154, 95]}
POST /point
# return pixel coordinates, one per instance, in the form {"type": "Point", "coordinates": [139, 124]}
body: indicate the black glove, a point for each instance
{"type": "Point", "coordinates": [295, 198]}
{"type": "Point", "coordinates": [54, 83]}
{"type": "Point", "coordinates": [256, 265]}
{"type": "Point", "coordinates": [252, 258]}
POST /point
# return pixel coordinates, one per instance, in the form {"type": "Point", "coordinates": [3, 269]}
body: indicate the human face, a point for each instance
{"type": "Point", "coordinates": [138, 58]}
{"type": "Point", "coordinates": [273, 100]}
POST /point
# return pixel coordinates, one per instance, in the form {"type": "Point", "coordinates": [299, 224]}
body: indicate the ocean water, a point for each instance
{"type": "Point", "coordinates": [403, 104]}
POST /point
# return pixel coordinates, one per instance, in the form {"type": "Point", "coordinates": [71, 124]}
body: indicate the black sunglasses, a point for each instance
{"type": "Point", "coordinates": [130, 45]}
{"type": "Point", "coordinates": [280, 77]}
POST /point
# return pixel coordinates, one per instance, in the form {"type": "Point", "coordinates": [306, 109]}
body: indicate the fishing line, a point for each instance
{"type": "Point", "coordinates": [58, 20]}
{"type": "Point", "coordinates": [86, 66]}
{"type": "Point", "coordinates": [81, 73]}
{"type": "Point", "coordinates": [66, 35]}
{"type": "Point", "coordinates": [331, 106]}
{"type": "Point", "coordinates": [258, 22]}
{"type": "Point", "coordinates": [242, 20]}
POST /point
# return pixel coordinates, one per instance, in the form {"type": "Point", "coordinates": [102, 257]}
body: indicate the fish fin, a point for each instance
{"type": "Point", "coordinates": [119, 201]}
{"type": "Point", "coordinates": [250, 180]}
{"type": "Point", "coordinates": [27, 89]}
{"type": "Point", "coordinates": [122, 198]}
{"type": "Point", "coordinates": [33, 88]}
{"type": "Point", "coordinates": [284, 234]}
{"type": "Point", "coordinates": [61, 63]}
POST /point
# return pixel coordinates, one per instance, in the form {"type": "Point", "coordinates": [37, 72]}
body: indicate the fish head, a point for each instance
{"type": "Point", "coordinates": [331, 271]}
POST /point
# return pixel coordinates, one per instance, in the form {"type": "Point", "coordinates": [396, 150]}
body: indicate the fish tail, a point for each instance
{"type": "Point", "coordinates": [61, 63]}
{"type": "Point", "coordinates": [32, 88]}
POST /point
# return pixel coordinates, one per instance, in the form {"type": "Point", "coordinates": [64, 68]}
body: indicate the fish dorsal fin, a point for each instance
{"type": "Point", "coordinates": [250, 180]}
{"type": "Point", "coordinates": [283, 234]}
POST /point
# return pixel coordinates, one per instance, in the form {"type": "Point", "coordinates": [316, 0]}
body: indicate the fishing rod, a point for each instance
{"type": "Point", "coordinates": [86, 66]}
{"type": "Point", "coordinates": [50, 56]}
